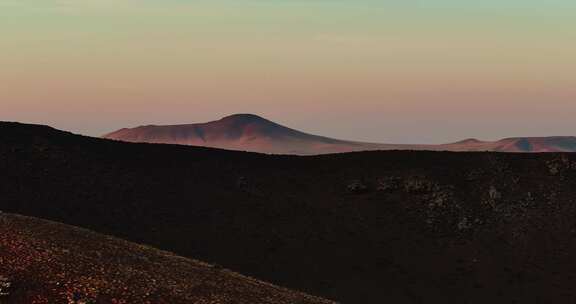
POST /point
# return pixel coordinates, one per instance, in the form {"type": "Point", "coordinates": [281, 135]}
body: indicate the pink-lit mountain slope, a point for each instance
{"type": "Point", "coordinates": [248, 132]}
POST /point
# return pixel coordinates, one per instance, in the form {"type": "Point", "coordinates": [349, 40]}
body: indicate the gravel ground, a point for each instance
{"type": "Point", "coordinates": [47, 262]}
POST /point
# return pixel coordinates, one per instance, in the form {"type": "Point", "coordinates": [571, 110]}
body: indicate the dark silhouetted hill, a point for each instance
{"type": "Point", "coordinates": [368, 227]}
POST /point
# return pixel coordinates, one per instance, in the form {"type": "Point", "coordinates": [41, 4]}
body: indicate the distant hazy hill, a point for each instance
{"type": "Point", "coordinates": [47, 262]}
{"type": "Point", "coordinates": [364, 227]}
{"type": "Point", "coordinates": [244, 132]}
{"type": "Point", "coordinates": [519, 144]}
{"type": "Point", "coordinates": [247, 132]}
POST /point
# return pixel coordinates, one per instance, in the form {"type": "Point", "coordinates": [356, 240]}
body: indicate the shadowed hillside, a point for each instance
{"type": "Point", "coordinates": [47, 262]}
{"type": "Point", "coordinates": [370, 227]}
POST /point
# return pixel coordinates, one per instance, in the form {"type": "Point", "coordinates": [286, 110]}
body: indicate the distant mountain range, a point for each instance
{"type": "Point", "coordinates": [248, 132]}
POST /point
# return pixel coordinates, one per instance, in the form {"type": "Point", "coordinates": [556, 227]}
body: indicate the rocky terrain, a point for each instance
{"type": "Point", "coordinates": [367, 227]}
{"type": "Point", "coordinates": [47, 262]}
{"type": "Point", "coordinates": [248, 132]}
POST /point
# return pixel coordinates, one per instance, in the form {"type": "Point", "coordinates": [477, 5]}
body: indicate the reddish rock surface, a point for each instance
{"type": "Point", "coordinates": [47, 262]}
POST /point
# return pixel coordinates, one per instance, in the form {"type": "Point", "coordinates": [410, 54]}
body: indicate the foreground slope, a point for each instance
{"type": "Point", "coordinates": [247, 132]}
{"type": "Point", "coordinates": [369, 227]}
{"type": "Point", "coordinates": [47, 262]}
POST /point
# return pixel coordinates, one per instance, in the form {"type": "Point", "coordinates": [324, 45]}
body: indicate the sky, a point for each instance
{"type": "Point", "coordinates": [410, 71]}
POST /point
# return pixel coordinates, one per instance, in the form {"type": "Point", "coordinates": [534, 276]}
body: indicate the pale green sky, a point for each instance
{"type": "Point", "coordinates": [402, 71]}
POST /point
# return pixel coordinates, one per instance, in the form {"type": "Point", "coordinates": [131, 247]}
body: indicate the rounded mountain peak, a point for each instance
{"type": "Point", "coordinates": [469, 141]}
{"type": "Point", "coordinates": [244, 118]}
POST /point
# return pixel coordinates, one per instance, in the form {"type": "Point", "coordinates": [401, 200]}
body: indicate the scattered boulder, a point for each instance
{"type": "Point", "coordinates": [388, 184]}
{"type": "Point", "coordinates": [418, 185]}
{"type": "Point", "coordinates": [357, 187]}
{"type": "Point", "coordinates": [5, 286]}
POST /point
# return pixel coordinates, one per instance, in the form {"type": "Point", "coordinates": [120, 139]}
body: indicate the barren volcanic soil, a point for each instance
{"type": "Point", "coordinates": [47, 262]}
{"type": "Point", "coordinates": [369, 227]}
